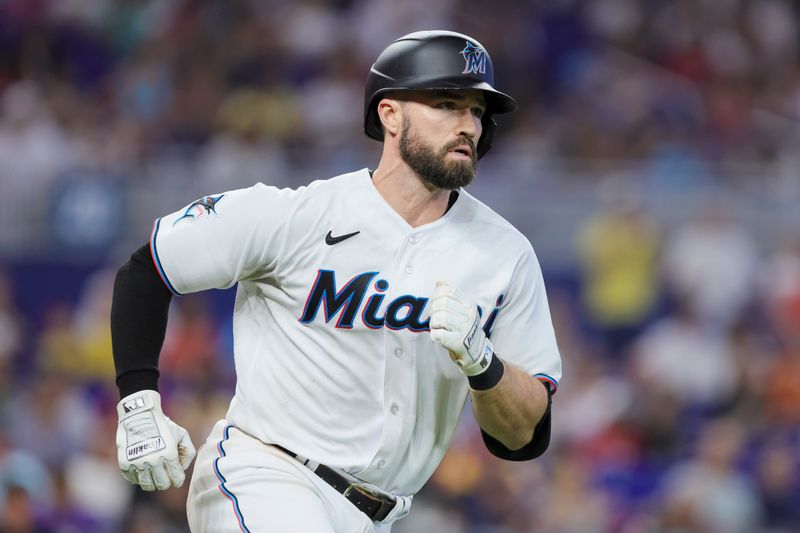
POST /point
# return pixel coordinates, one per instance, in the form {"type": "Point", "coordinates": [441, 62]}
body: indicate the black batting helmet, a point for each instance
{"type": "Point", "coordinates": [434, 60]}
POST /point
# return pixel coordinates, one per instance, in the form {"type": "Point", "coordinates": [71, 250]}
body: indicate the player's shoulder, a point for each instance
{"type": "Point", "coordinates": [357, 178]}
{"type": "Point", "coordinates": [341, 184]}
{"type": "Point", "coordinates": [317, 186]}
{"type": "Point", "coordinates": [489, 225]}
{"type": "Point", "coordinates": [317, 190]}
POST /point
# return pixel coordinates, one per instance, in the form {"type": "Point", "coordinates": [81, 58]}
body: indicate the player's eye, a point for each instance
{"type": "Point", "coordinates": [478, 112]}
{"type": "Point", "coordinates": [447, 104]}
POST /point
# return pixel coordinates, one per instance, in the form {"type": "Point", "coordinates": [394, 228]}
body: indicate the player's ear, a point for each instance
{"type": "Point", "coordinates": [390, 114]}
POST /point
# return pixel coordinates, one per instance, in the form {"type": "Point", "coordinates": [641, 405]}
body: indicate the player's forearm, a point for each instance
{"type": "Point", "coordinates": [510, 410]}
{"type": "Point", "coordinates": [138, 323]}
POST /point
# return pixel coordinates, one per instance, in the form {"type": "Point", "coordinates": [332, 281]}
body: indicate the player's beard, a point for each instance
{"type": "Point", "coordinates": [432, 166]}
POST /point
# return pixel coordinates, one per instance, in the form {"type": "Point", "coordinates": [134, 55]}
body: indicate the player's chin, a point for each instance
{"type": "Point", "coordinates": [452, 180]}
{"type": "Point", "coordinates": [459, 173]}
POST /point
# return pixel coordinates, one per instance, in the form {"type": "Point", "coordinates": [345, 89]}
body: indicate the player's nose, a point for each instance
{"type": "Point", "coordinates": [469, 125]}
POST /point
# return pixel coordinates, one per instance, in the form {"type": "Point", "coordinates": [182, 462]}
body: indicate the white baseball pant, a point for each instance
{"type": "Point", "coordinates": [241, 485]}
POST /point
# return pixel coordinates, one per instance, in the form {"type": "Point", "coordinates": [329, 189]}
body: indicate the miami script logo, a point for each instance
{"type": "Point", "coordinates": [347, 304]}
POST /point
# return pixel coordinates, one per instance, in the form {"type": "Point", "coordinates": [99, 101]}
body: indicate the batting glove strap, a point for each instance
{"type": "Point", "coordinates": [479, 357]}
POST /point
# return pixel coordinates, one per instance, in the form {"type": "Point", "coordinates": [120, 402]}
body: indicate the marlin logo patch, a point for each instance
{"type": "Point", "coordinates": [475, 56]}
{"type": "Point", "coordinates": [200, 208]}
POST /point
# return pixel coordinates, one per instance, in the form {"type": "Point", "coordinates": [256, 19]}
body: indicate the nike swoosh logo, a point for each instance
{"type": "Point", "coordinates": [331, 240]}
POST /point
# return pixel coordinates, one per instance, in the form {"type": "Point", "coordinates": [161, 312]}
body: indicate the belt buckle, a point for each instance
{"type": "Point", "coordinates": [348, 490]}
{"type": "Point", "coordinates": [362, 489]}
{"type": "Point", "coordinates": [385, 502]}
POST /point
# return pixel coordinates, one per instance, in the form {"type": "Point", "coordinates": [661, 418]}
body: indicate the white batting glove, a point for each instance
{"type": "Point", "coordinates": [455, 324]}
{"type": "Point", "coordinates": [153, 451]}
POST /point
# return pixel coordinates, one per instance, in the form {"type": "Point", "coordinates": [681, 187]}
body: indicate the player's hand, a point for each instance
{"type": "Point", "coordinates": [455, 324]}
{"type": "Point", "coordinates": [153, 451]}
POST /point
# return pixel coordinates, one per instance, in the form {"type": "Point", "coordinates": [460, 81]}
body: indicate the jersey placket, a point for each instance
{"type": "Point", "coordinates": [408, 278]}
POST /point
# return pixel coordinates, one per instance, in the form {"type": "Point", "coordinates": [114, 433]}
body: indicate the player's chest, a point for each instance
{"type": "Point", "coordinates": [362, 279]}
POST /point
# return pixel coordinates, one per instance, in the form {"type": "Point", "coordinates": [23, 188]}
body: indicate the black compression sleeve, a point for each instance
{"type": "Point", "coordinates": [138, 322]}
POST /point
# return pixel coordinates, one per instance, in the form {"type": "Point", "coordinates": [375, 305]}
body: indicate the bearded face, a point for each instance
{"type": "Point", "coordinates": [433, 165]}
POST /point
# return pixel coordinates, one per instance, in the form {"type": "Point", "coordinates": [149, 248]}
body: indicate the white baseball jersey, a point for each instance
{"type": "Point", "coordinates": [332, 347]}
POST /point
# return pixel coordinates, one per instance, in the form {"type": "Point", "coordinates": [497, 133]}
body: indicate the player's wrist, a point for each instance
{"type": "Point", "coordinates": [490, 377]}
{"type": "Point", "coordinates": [134, 381]}
{"type": "Point", "coordinates": [138, 402]}
{"type": "Point", "coordinates": [479, 360]}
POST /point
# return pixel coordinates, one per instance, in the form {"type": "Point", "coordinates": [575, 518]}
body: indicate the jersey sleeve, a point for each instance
{"type": "Point", "coordinates": [523, 331]}
{"type": "Point", "coordinates": [221, 239]}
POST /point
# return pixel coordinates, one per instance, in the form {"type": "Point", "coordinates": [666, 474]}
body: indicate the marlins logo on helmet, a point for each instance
{"type": "Point", "coordinates": [475, 58]}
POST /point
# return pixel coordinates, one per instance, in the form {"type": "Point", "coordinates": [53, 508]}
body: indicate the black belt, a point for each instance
{"type": "Point", "coordinates": [374, 505]}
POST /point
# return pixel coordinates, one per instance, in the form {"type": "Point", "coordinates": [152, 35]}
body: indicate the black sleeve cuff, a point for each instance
{"type": "Point", "coordinates": [536, 447]}
{"type": "Point", "coordinates": [489, 377]}
{"type": "Point", "coordinates": [136, 380]}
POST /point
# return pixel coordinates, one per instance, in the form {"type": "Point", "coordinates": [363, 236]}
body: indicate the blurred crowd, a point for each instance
{"type": "Point", "coordinates": [138, 106]}
{"type": "Point", "coordinates": [680, 404]}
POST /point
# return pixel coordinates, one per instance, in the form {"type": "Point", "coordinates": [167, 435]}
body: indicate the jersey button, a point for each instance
{"type": "Point", "coordinates": [409, 269]}
{"type": "Point", "coordinates": [398, 352]}
{"type": "Point", "coordinates": [381, 463]}
{"type": "Point", "coordinates": [413, 239]}
{"type": "Point", "coordinates": [394, 409]}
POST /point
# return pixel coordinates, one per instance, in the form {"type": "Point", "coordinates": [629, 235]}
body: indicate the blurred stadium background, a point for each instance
{"type": "Point", "coordinates": [653, 163]}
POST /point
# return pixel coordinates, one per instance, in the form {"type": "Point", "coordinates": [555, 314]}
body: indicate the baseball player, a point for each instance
{"type": "Point", "coordinates": [368, 307]}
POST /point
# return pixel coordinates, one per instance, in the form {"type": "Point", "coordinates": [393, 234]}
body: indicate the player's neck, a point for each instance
{"type": "Point", "coordinates": [408, 195]}
{"type": "Point", "coordinates": [412, 199]}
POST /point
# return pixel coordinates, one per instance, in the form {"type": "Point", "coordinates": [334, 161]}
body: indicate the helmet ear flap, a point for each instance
{"type": "Point", "coordinates": [485, 142]}
{"type": "Point", "coordinates": [372, 123]}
